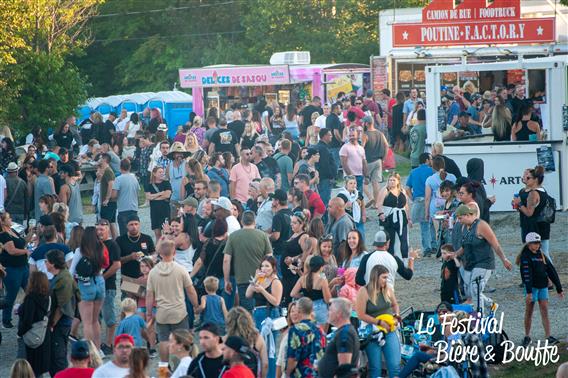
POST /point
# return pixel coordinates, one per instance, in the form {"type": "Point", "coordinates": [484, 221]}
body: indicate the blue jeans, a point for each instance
{"type": "Point", "coordinates": [417, 358]}
{"type": "Point", "coordinates": [433, 236]}
{"type": "Point", "coordinates": [335, 154]}
{"type": "Point", "coordinates": [391, 350]}
{"type": "Point", "coordinates": [324, 188]}
{"type": "Point", "coordinates": [360, 226]}
{"type": "Point", "coordinates": [259, 314]}
{"type": "Point", "coordinates": [360, 180]}
{"type": "Point", "coordinates": [425, 236]}
{"type": "Point", "coordinates": [228, 298]}
{"type": "Point", "coordinates": [15, 279]}
{"type": "Point", "coordinates": [189, 309]}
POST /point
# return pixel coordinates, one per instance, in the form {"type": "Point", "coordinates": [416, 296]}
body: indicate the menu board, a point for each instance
{"type": "Point", "coordinates": [379, 72]}
{"type": "Point", "coordinates": [449, 79]}
{"type": "Point", "coordinates": [545, 158]}
{"type": "Point", "coordinates": [471, 76]}
{"type": "Point", "coordinates": [411, 75]}
{"type": "Point", "coordinates": [515, 76]}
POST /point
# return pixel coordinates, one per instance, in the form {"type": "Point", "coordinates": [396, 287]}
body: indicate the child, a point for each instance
{"type": "Point", "coordinates": [146, 265]}
{"type": "Point", "coordinates": [132, 323]}
{"type": "Point", "coordinates": [212, 306]}
{"type": "Point", "coordinates": [450, 266]}
{"type": "Point", "coordinates": [536, 269]}
{"type": "Point", "coordinates": [350, 289]}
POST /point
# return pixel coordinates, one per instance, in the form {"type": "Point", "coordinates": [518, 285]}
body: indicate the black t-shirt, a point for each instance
{"type": "Point", "coordinates": [332, 123]}
{"type": "Point", "coordinates": [128, 245]}
{"type": "Point", "coordinates": [104, 132]}
{"type": "Point", "coordinates": [212, 258]}
{"type": "Point", "coordinates": [204, 367]}
{"type": "Point", "coordinates": [281, 223]}
{"type": "Point", "coordinates": [225, 141]}
{"type": "Point", "coordinates": [64, 139]}
{"type": "Point", "coordinates": [346, 340]}
{"type": "Point", "coordinates": [9, 260]}
{"type": "Point", "coordinates": [307, 114]}
{"type": "Point", "coordinates": [238, 127]}
{"type": "Point", "coordinates": [113, 255]}
{"type": "Point", "coordinates": [159, 209]}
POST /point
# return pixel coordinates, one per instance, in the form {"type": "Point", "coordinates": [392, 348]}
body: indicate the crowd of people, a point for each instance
{"type": "Point", "coordinates": [258, 264]}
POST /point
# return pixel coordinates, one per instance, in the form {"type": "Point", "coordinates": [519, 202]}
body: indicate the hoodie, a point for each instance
{"type": "Point", "coordinates": [350, 289]}
{"type": "Point", "coordinates": [168, 280]}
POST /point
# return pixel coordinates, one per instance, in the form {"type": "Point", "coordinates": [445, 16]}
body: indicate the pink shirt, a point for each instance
{"type": "Point", "coordinates": [243, 176]}
{"type": "Point", "coordinates": [355, 155]}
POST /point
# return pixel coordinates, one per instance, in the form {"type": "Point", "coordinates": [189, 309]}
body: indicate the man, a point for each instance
{"type": "Point", "coordinates": [70, 194]}
{"type": "Point", "coordinates": [211, 130]}
{"type": "Point", "coordinates": [109, 274]}
{"type": "Point", "coordinates": [376, 146]}
{"type": "Point", "coordinates": [417, 138]}
{"type": "Point", "coordinates": [234, 354]}
{"type": "Point", "coordinates": [43, 185]}
{"type": "Point", "coordinates": [465, 125]}
{"type": "Point", "coordinates": [306, 343]}
{"type": "Point", "coordinates": [285, 164]}
{"type": "Point", "coordinates": [280, 231]}
{"type": "Point", "coordinates": [223, 209]}
{"type": "Point", "coordinates": [353, 158]}
{"type": "Point", "coordinates": [208, 363]}
{"type": "Point", "coordinates": [167, 283]}
{"type": "Point", "coordinates": [118, 366]}
{"type": "Point", "coordinates": [459, 104]}
{"type": "Point", "coordinates": [38, 257]}
{"type": "Point", "coordinates": [80, 359]}
{"type": "Point", "coordinates": [381, 256]}
{"type": "Point", "coordinates": [160, 158]}
{"type": "Point", "coordinates": [321, 120]}
{"type": "Point", "coordinates": [357, 112]}
{"type": "Point", "coordinates": [133, 246]}
{"type": "Point", "coordinates": [339, 225]}
{"type": "Point", "coordinates": [72, 123]}
{"type": "Point", "coordinates": [106, 202]}
{"type": "Point", "coordinates": [224, 140]}
{"type": "Point", "coordinates": [16, 200]}
{"type": "Point", "coordinates": [307, 166]}
{"type": "Point", "coordinates": [245, 250]}
{"type": "Point", "coordinates": [125, 190]}
{"type": "Point", "coordinates": [114, 159]}
{"type": "Point", "coordinates": [264, 213]}
{"type": "Point", "coordinates": [191, 220]}
{"type": "Point", "coordinates": [146, 149]}
{"type": "Point", "coordinates": [267, 166]}
{"type": "Point", "coordinates": [473, 109]}
{"type": "Point", "coordinates": [410, 103]}
{"type": "Point", "coordinates": [326, 166]}
{"type": "Point", "coordinates": [371, 104]}
{"type": "Point", "coordinates": [305, 119]}
{"type": "Point", "coordinates": [315, 204]}
{"type": "Point", "coordinates": [416, 190]}
{"type": "Point", "coordinates": [344, 348]}
{"type": "Point", "coordinates": [518, 101]}
{"type": "Point", "coordinates": [104, 132]}
{"type": "Point", "coordinates": [451, 166]}
{"type": "Point", "coordinates": [387, 102]}
{"type": "Point", "coordinates": [237, 126]}
{"type": "Point", "coordinates": [241, 176]}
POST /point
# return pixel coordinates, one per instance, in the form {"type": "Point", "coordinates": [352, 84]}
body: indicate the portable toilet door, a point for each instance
{"type": "Point", "coordinates": [177, 113]}
{"type": "Point", "coordinates": [105, 108]}
{"type": "Point", "coordinates": [130, 106]}
{"type": "Point", "coordinates": [83, 113]}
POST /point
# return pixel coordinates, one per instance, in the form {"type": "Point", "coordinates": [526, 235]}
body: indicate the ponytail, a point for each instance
{"type": "Point", "coordinates": [538, 173]}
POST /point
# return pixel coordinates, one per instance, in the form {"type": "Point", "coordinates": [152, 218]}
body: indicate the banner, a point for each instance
{"type": "Point", "coordinates": [234, 76]}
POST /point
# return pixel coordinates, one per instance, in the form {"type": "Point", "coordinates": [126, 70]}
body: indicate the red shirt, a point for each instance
{"type": "Point", "coordinates": [238, 371]}
{"type": "Point", "coordinates": [315, 204]}
{"type": "Point", "coordinates": [75, 373]}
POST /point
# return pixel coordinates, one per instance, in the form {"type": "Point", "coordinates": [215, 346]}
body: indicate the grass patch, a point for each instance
{"type": "Point", "coordinates": [88, 208]}
{"type": "Point", "coordinates": [528, 370]}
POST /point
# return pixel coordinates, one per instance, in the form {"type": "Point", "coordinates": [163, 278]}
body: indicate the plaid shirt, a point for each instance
{"type": "Point", "coordinates": [479, 368]}
{"type": "Point", "coordinates": [145, 155]}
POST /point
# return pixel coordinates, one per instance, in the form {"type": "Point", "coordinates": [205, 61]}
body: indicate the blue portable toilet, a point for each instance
{"type": "Point", "coordinates": [135, 102]}
{"type": "Point", "coordinates": [175, 107]}
{"type": "Point", "coordinates": [110, 104]}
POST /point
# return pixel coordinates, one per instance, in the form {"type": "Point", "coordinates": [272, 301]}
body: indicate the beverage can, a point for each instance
{"type": "Point", "coordinates": [515, 196]}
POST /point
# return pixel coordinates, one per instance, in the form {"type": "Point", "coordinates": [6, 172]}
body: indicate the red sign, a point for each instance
{"type": "Point", "coordinates": [469, 22]}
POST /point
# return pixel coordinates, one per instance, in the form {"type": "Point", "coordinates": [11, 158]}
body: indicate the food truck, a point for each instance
{"type": "Point", "coordinates": [454, 31]}
{"type": "Point", "coordinates": [506, 161]}
{"type": "Point", "coordinates": [221, 86]}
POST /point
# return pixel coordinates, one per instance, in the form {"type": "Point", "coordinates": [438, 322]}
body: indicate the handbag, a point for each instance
{"type": "Point", "coordinates": [35, 336]}
{"type": "Point", "coordinates": [390, 161]}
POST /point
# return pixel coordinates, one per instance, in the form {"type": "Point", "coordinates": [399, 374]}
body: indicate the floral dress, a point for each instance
{"type": "Point", "coordinates": [306, 344]}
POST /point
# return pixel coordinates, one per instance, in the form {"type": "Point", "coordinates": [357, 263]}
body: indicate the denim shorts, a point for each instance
{"type": "Point", "coordinates": [109, 312]}
{"type": "Point", "coordinates": [539, 294]}
{"type": "Point", "coordinates": [321, 312]}
{"type": "Point", "coordinates": [93, 289]}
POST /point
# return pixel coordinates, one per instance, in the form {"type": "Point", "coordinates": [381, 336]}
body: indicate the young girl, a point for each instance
{"type": "Point", "coordinates": [536, 269]}
{"type": "Point", "coordinates": [146, 265]}
{"type": "Point", "coordinates": [354, 203]}
{"type": "Point", "coordinates": [449, 287]}
{"type": "Point", "coordinates": [132, 323]}
{"type": "Point", "coordinates": [212, 306]}
{"type": "Point", "coordinates": [448, 193]}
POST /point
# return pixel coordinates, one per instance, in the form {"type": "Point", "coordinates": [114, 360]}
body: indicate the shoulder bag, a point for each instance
{"type": "Point", "coordinates": [198, 280]}
{"type": "Point", "coordinates": [35, 336]}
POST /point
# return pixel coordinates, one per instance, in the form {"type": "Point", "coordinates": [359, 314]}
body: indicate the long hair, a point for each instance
{"type": "Point", "coordinates": [439, 165]}
{"type": "Point", "coordinates": [197, 169]}
{"type": "Point", "coordinates": [348, 254]}
{"type": "Point", "coordinates": [38, 284]}
{"type": "Point", "coordinates": [501, 120]}
{"type": "Point", "coordinates": [153, 174]}
{"type": "Point", "coordinates": [48, 200]}
{"type": "Point", "coordinates": [239, 323]}
{"type": "Point", "coordinates": [290, 112]}
{"type": "Point", "coordinates": [374, 286]}
{"type": "Point", "coordinates": [316, 228]}
{"type": "Point", "coordinates": [21, 369]}
{"type": "Point", "coordinates": [75, 238]}
{"type": "Point", "coordinates": [138, 363]}
{"type": "Point", "coordinates": [229, 160]}
{"type": "Point", "coordinates": [92, 247]}
{"type": "Point", "coordinates": [300, 197]}
{"type": "Point", "coordinates": [524, 249]}
{"type": "Point", "coordinates": [185, 338]}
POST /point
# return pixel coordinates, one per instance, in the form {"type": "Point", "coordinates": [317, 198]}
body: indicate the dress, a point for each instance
{"type": "Point", "coordinates": [292, 248]}
{"type": "Point", "coordinates": [159, 209]}
{"type": "Point", "coordinates": [396, 223]}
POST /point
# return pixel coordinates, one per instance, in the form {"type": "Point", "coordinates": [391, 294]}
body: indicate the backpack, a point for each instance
{"type": "Point", "coordinates": [252, 360]}
{"type": "Point", "coordinates": [548, 211]}
{"type": "Point", "coordinates": [497, 340]}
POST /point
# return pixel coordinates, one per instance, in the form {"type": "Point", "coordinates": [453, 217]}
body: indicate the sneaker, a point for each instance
{"type": "Point", "coordinates": [106, 350]}
{"type": "Point", "coordinates": [552, 340]}
{"type": "Point", "coordinates": [7, 324]}
{"type": "Point", "coordinates": [526, 341]}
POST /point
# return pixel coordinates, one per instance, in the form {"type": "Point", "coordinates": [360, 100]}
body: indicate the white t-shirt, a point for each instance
{"type": "Point", "coordinates": [120, 125]}
{"type": "Point", "coordinates": [181, 370]}
{"type": "Point", "coordinates": [132, 129]}
{"type": "Point", "coordinates": [110, 370]}
{"type": "Point", "coordinates": [232, 224]}
{"type": "Point", "coordinates": [185, 258]}
{"type": "Point", "coordinates": [385, 259]}
{"type": "Point", "coordinates": [320, 121]}
{"type": "Point", "coordinates": [2, 191]}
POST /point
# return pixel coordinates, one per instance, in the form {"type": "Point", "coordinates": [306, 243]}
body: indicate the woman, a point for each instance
{"type": "Point", "coordinates": [248, 139]}
{"type": "Point", "coordinates": [87, 265]}
{"type": "Point", "coordinates": [294, 254]}
{"type": "Point", "coordinates": [397, 137]}
{"type": "Point", "coordinates": [158, 191]}
{"type": "Point", "coordinates": [229, 160]}
{"type": "Point", "coordinates": [312, 133]}
{"type": "Point", "coordinates": [239, 323]}
{"type": "Point", "coordinates": [46, 203]}
{"type": "Point", "coordinates": [293, 318]}
{"type": "Point", "coordinates": [393, 208]}
{"type": "Point", "coordinates": [193, 173]}
{"type": "Point", "coordinates": [138, 363]}
{"type": "Point", "coordinates": [60, 218]}
{"type": "Point", "coordinates": [467, 194]}
{"type": "Point", "coordinates": [374, 299]}
{"type": "Point", "coordinates": [529, 204]}
{"type": "Point", "coordinates": [315, 232]}
{"type": "Point", "coordinates": [64, 137]}
{"type": "Point", "coordinates": [219, 173]}
{"type": "Point", "coordinates": [257, 122]}
{"type": "Point", "coordinates": [36, 137]}
{"type": "Point", "coordinates": [237, 209]}
{"type": "Point", "coordinates": [468, 90]}
{"type": "Point", "coordinates": [35, 307]}
{"type": "Point", "coordinates": [476, 173]}
{"type": "Point", "coordinates": [297, 199]}
{"type": "Point", "coordinates": [181, 346]}
{"type": "Point", "coordinates": [354, 203]}
{"type": "Point", "coordinates": [7, 153]}
{"type": "Point", "coordinates": [155, 120]}
{"type": "Point", "coordinates": [478, 248]}
{"type": "Point", "coordinates": [325, 250]}
{"type": "Point", "coordinates": [485, 115]}
{"type": "Point", "coordinates": [412, 117]}
{"type": "Point", "coordinates": [14, 258]}
{"type": "Point", "coordinates": [74, 240]}
{"type": "Point", "coordinates": [312, 285]}
{"type": "Point", "coordinates": [353, 250]}
{"type": "Point", "coordinates": [198, 130]}
{"type": "Point", "coordinates": [291, 121]}
{"type": "Point", "coordinates": [132, 126]}
{"type": "Point", "coordinates": [211, 256]}
{"type": "Point", "coordinates": [21, 369]}
{"type": "Point", "coordinates": [525, 128]}
{"type": "Point", "coordinates": [277, 122]}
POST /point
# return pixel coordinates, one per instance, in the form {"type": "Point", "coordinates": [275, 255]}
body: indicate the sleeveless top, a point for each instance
{"type": "Point", "coordinates": [213, 310]}
{"type": "Point", "coordinates": [75, 205]}
{"type": "Point", "coordinates": [260, 300]}
{"type": "Point", "coordinates": [176, 177]}
{"type": "Point", "coordinates": [291, 124]}
{"type": "Point", "coordinates": [382, 307]}
{"type": "Point", "coordinates": [524, 132]}
{"type": "Point", "coordinates": [477, 251]}
{"type": "Point", "coordinates": [530, 224]}
{"type": "Point", "coordinates": [313, 294]}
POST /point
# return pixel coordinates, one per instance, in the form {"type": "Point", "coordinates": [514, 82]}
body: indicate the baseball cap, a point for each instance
{"type": "Point", "coordinates": [238, 344]}
{"type": "Point", "coordinates": [381, 239]}
{"type": "Point", "coordinates": [443, 88]}
{"type": "Point", "coordinates": [370, 92]}
{"type": "Point", "coordinates": [475, 96]}
{"type": "Point", "coordinates": [133, 218]}
{"type": "Point", "coordinates": [223, 202]}
{"type": "Point", "coordinates": [190, 201]}
{"type": "Point", "coordinates": [123, 337]}
{"type": "Point", "coordinates": [45, 220]}
{"type": "Point", "coordinates": [532, 237]}
{"type": "Point", "coordinates": [279, 195]}
{"type": "Point", "coordinates": [210, 327]}
{"type": "Point", "coordinates": [80, 350]}
{"type": "Point", "coordinates": [464, 210]}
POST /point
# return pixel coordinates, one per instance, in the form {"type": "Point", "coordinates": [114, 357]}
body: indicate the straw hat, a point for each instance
{"type": "Point", "coordinates": [178, 148]}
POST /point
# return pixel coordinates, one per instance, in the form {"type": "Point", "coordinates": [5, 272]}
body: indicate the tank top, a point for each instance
{"type": "Point", "coordinates": [260, 300]}
{"type": "Point", "coordinates": [313, 294]}
{"type": "Point", "coordinates": [477, 251]}
{"type": "Point", "coordinates": [213, 310]}
{"type": "Point", "coordinates": [291, 125]}
{"type": "Point", "coordinates": [75, 205]}
{"type": "Point", "coordinates": [382, 307]}
{"type": "Point", "coordinates": [176, 177]}
{"type": "Point", "coordinates": [524, 132]}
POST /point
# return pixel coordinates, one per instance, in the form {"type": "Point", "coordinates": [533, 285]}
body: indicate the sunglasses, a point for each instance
{"type": "Point", "coordinates": [326, 237]}
{"type": "Point", "coordinates": [103, 224]}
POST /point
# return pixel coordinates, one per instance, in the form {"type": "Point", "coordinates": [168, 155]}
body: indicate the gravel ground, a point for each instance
{"type": "Point", "coordinates": [422, 292]}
